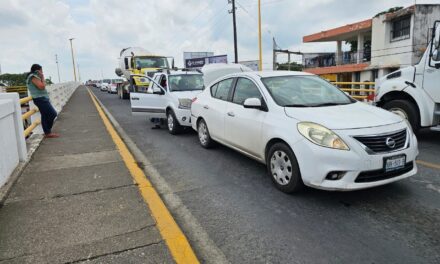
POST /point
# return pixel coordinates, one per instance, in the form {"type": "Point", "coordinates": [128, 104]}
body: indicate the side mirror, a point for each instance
{"type": "Point", "coordinates": [437, 37]}
{"type": "Point", "coordinates": [254, 103]}
{"type": "Point", "coordinates": [157, 90]}
{"type": "Point", "coordinates": [126, 63]}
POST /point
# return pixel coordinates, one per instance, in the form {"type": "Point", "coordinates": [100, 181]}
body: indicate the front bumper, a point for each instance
{"type": "Point", "coordinates": [183, 116]}
{"type": "Point", "coordinates": [354, 163]}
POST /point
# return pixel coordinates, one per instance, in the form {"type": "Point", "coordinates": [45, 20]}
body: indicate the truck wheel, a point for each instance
{"type": "Point", "coordinates": [172, 124]}
{"type": "Point", "coordinates": [406, 110]}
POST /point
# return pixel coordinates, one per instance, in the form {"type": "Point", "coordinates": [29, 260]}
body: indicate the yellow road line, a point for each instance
{"type": "Point", "coordinates": [428, 164]}
{"type": "Point", "coordinates": [175, 239]}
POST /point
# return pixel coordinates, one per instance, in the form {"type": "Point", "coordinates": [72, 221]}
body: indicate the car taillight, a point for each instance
{"type": "Point", "coordinates": [194, 99]}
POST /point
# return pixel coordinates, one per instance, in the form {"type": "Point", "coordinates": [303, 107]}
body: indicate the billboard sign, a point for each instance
{"type": "Point", "coordinates": [195, 63]}
{"type": "Point", "coordinates": [198, 63]}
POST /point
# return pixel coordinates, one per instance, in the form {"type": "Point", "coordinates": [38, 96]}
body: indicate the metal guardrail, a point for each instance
{"type": "Point", "coordinates": [357, 90]}
{"type": "Point", "coordinates": [27, 115]}
{"type": "Point", "coordinates": [21, 90]}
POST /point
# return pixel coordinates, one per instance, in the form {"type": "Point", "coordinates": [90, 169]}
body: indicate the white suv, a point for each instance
{"type": "Point", "coordinates": [169, 96]}
{"type": "Point", "coordinates": [305, 130]}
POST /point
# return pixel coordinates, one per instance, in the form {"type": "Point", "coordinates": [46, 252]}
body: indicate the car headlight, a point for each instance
{"type": "Point", "coordinates": [321, 136]}
{"type": "Point", "coordinates": [185, 103]}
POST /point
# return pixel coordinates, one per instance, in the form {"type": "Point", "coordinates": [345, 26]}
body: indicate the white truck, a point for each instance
{"type": "Point", "coordinates": [414, 92]}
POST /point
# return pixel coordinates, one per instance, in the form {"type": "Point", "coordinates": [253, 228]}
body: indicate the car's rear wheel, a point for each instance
{"type": "Point", "coordinates": [172, 124]}
{"type": "Point", "coordinates": [203, 133]}
{"type": "Point", "coordinates": [283, 168]}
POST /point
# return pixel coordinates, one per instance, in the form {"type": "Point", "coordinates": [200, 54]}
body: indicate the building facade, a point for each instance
{"type": "Point", "coordinates": [380, 45]}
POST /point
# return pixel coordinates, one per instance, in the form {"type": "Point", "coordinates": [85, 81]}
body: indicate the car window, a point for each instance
{"type": "Point", "coordinates": [245, 89]}
{"type": "Point", "coordinates": [214, 89]}
{"type": "Point", "coordinates": [223, 89]}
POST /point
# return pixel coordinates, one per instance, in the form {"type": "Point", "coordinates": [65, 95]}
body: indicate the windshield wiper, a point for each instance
{"type": "Point", "coordinates": [297, 105]}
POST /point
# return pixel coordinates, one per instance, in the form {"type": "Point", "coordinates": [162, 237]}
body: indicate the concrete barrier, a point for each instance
{"type": "Point", "coordinates": [12, 139]}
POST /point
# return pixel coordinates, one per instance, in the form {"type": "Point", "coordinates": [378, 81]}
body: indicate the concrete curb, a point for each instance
{"type": "Point", "coordinates": [33, 143]}
{"type": "Point", "coordinates": [205, 248]}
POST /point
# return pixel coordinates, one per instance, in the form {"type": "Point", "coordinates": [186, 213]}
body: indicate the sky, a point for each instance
{"type": "Point", "coordinates": [35, 31]}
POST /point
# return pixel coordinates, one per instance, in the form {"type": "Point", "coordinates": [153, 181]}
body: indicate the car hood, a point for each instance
{"type": "Point", "coordinates": [351, 116]}
{"type": "Point", "coordinates": [186, 94]}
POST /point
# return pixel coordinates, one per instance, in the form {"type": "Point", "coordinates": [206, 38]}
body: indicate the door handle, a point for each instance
{"type": "Point", "coordinates": [206, 107]}
{"type": "Point", "coordinates": [134, 98]}
{"type": "Point", "coordinates": [231, 114]}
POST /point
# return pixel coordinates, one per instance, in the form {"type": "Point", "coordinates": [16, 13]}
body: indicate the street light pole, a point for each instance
{"type": "Point", "coordinates": [73, 59]}
{"type": "Point", "coordinates": [58, 68]}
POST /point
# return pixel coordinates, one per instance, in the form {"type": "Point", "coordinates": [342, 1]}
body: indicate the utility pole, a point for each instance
{"type": "Point", "coordinates": [260, 64]}
{"type": "Point", "coordinates": [58, 68]}
{"type": "Point", "coordinates": [274, 47]}
{"type": "Point", "coordinates": [235, 29]}
{"type": "Point", "coordinates": [73, 59]}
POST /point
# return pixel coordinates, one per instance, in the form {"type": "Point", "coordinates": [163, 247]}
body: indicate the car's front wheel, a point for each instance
{"type": "Point", "coordinates": [203, 133]}
{"type": "Point", "coordinates": [283, 168]}
{"type": "Point", "coordinates": [172, 124]}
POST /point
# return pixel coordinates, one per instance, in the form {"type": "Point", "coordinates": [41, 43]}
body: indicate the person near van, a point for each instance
{"type": "Point", "coordinates": [36, 85]}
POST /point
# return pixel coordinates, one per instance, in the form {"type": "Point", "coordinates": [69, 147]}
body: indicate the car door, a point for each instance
{"type": "Point", "coordinates": [148, 103]}
{"type": "Point", "coordinates": [243, 125]}
{"type": "Point", "coordinates": [431, 79]}
{"type": "Point", "coordinates": [214, 109]}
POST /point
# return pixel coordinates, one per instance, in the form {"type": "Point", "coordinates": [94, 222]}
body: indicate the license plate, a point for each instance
{"type": "Point", "coordinates": [394, 163]}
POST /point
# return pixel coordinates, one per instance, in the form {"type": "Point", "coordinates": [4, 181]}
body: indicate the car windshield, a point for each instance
{"type": "Point", "coordinates": [151, 62]}
{"type": "Point", "coordinates": [107, 81]}
{"type": "Point", "coordinates": [304, 91]}
{"type": "Point", "coordinates": [186, 82]}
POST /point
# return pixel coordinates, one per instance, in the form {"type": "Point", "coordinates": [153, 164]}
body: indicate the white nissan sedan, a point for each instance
{"type": "Point", "coordinates": [305, 130]}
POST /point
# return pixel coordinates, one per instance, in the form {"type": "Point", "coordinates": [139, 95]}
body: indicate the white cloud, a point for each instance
{"type": "Point", "coordinates": [34, 31]}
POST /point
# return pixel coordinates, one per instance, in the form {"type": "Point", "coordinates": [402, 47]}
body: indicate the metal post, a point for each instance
{"type": "Point", "coordinates": [73, 59]}
{"type": "Point", "coordinates": [288, 61]}
{"type": "Point", "coordinates": [58, 68]}
{"type": "Point", "coordinates": [235, 31]}
{"type": "Point", "coordinates": [79, 74]}
{"type": "Point", "coordinates": [259, 36]}
{"type": "Point", "coordinates": [274, 46]}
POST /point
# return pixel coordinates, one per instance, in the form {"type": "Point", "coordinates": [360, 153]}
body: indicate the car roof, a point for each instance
{"type": "Point", "coordinates": [263, 74]}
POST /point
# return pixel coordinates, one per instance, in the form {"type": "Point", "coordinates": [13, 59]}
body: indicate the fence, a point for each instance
{"type": "Point", "coordinates": [13, 133]}
{"type": "Point", "coordinates": [358, 90]}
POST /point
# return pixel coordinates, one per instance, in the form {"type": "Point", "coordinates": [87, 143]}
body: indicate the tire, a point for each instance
{"type": "Point", "coordinates": [405, 109]}
{"type": "Point", "coordinates": [173, 125]}
{"type": "Point", "coordinates": [283, 168]}
{"type": "Point", "coordinates": [204, 136]}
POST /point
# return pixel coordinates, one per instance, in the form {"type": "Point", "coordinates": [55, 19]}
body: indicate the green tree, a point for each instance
{"type": "Point", "coordinates": [293, 66]}
{"type": "Point", "coordinates": [13, 79]}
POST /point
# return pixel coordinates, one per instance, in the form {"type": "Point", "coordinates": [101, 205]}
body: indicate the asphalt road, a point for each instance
{"type": "Point", "coordinates": [250, 221]}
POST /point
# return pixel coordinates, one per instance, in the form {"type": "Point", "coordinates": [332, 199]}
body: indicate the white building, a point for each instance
{"type": "Point", "coordinates": [385, 43]}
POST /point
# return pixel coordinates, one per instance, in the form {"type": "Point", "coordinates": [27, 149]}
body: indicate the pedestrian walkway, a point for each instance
{"type": "Point", "coordinates": [76, 201]}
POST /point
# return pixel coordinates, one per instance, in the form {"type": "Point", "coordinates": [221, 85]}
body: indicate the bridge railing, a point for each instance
{"type": "Point", "coordinates": [362, 91]}
{"type": "Point", "coordinates": [15, 126]}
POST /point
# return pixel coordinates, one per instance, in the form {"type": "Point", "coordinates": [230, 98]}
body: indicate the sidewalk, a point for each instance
{"type": "Point", "coordinates": [76, 201]}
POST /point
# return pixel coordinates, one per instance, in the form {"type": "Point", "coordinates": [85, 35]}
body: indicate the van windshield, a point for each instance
{"type": "Point", "coordinates": [185, 82]}
{"type": "Point", "coordinates": [304, 91]}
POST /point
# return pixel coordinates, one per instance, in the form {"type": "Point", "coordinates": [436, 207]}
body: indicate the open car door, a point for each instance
{"type": "Point", "coordinates": [149, 102]}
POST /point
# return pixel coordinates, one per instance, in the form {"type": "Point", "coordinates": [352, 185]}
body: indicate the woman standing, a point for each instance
{"type": "Point", "coordinates": [36, 85]}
